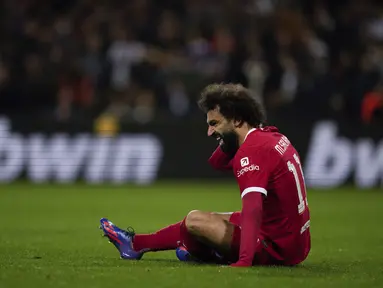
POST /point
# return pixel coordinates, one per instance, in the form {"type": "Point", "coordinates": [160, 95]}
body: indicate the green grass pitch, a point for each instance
{"type": "Point", "coordinates": [49, 237]}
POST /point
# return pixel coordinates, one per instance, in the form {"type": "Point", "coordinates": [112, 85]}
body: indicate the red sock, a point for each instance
{"type": "Point", "coordinates": [165, 239]}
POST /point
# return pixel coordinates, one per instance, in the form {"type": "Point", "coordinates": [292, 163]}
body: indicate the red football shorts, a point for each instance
{"type": "Point", "coordinates": [264, 252]}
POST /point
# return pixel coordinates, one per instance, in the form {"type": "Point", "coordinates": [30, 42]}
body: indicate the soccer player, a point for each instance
{"type": "Point", "coordinates": [272, 227]}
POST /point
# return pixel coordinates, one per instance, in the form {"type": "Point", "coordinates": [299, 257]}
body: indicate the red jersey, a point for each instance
{"type": "Point", "coordinates": [267, 164]}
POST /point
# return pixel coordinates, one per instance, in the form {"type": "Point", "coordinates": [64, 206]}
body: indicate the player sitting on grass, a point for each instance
{"type": "Point", "coordinates": [273, 226]}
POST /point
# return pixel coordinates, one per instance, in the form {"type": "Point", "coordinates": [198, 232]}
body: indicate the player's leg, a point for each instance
{"type": "Point", "coordinates": [218, 231]}
{"type": "Point", "coordinates": [169, 238]}
{"type": "Point", "coordinates": [176, 235]}
{"type": "Point", "coordinates": [132, 246]}
{"type": "Point", "coordinates": [222, 232]}
{"type": "Point", "coordinates": [166, 238]}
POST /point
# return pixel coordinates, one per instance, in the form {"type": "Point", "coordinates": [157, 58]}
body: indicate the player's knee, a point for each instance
{"type": "Point", "coordinates": [195, 220]}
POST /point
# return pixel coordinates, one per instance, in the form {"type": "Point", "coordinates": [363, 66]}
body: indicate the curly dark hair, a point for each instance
{"type": "Point", "coordinates": [234, 102]}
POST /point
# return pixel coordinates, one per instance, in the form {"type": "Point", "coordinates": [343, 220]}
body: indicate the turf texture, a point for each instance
{"type": "Point", "coordinates": [50, 238]}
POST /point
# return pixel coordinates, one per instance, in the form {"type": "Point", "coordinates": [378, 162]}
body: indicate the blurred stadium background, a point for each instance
{"type": "Point", "coordinates": [99, 93]}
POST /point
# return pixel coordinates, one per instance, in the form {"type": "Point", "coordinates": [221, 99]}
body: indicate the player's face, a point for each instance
{"type": "Point", "coordinates": [223, 130]}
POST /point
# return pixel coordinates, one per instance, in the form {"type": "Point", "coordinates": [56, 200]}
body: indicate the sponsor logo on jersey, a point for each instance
{"type": "Point", "coordinates": [244, 161]}
{"type": "Point", "coordinates": [244, 170]}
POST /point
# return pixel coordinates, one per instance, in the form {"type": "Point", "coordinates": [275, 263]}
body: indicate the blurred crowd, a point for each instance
{"type": "Point", "coordinates": [140, 60]}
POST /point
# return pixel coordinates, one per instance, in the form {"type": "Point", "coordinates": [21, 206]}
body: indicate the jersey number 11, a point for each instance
{"type": "Point", "coordinates": [292, 168]}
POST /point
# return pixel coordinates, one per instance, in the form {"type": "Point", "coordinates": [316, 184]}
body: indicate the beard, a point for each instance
{"type": "Point", "coordinates": [229, 142]}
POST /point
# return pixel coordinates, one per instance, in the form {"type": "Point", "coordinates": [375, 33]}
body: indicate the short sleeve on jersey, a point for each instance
{"type": "Point", "coordinates": [252, 169]}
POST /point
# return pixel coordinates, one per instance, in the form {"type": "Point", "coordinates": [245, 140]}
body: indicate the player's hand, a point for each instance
{"type": "Point", "coordinates": [241, 264]}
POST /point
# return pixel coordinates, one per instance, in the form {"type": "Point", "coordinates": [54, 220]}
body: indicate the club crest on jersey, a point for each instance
{"type": "Point", "coordinates": [244, 161]}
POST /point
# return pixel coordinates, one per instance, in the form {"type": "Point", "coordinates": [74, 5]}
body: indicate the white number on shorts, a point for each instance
{"type": "Point", "coordinates": [302, 202]}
